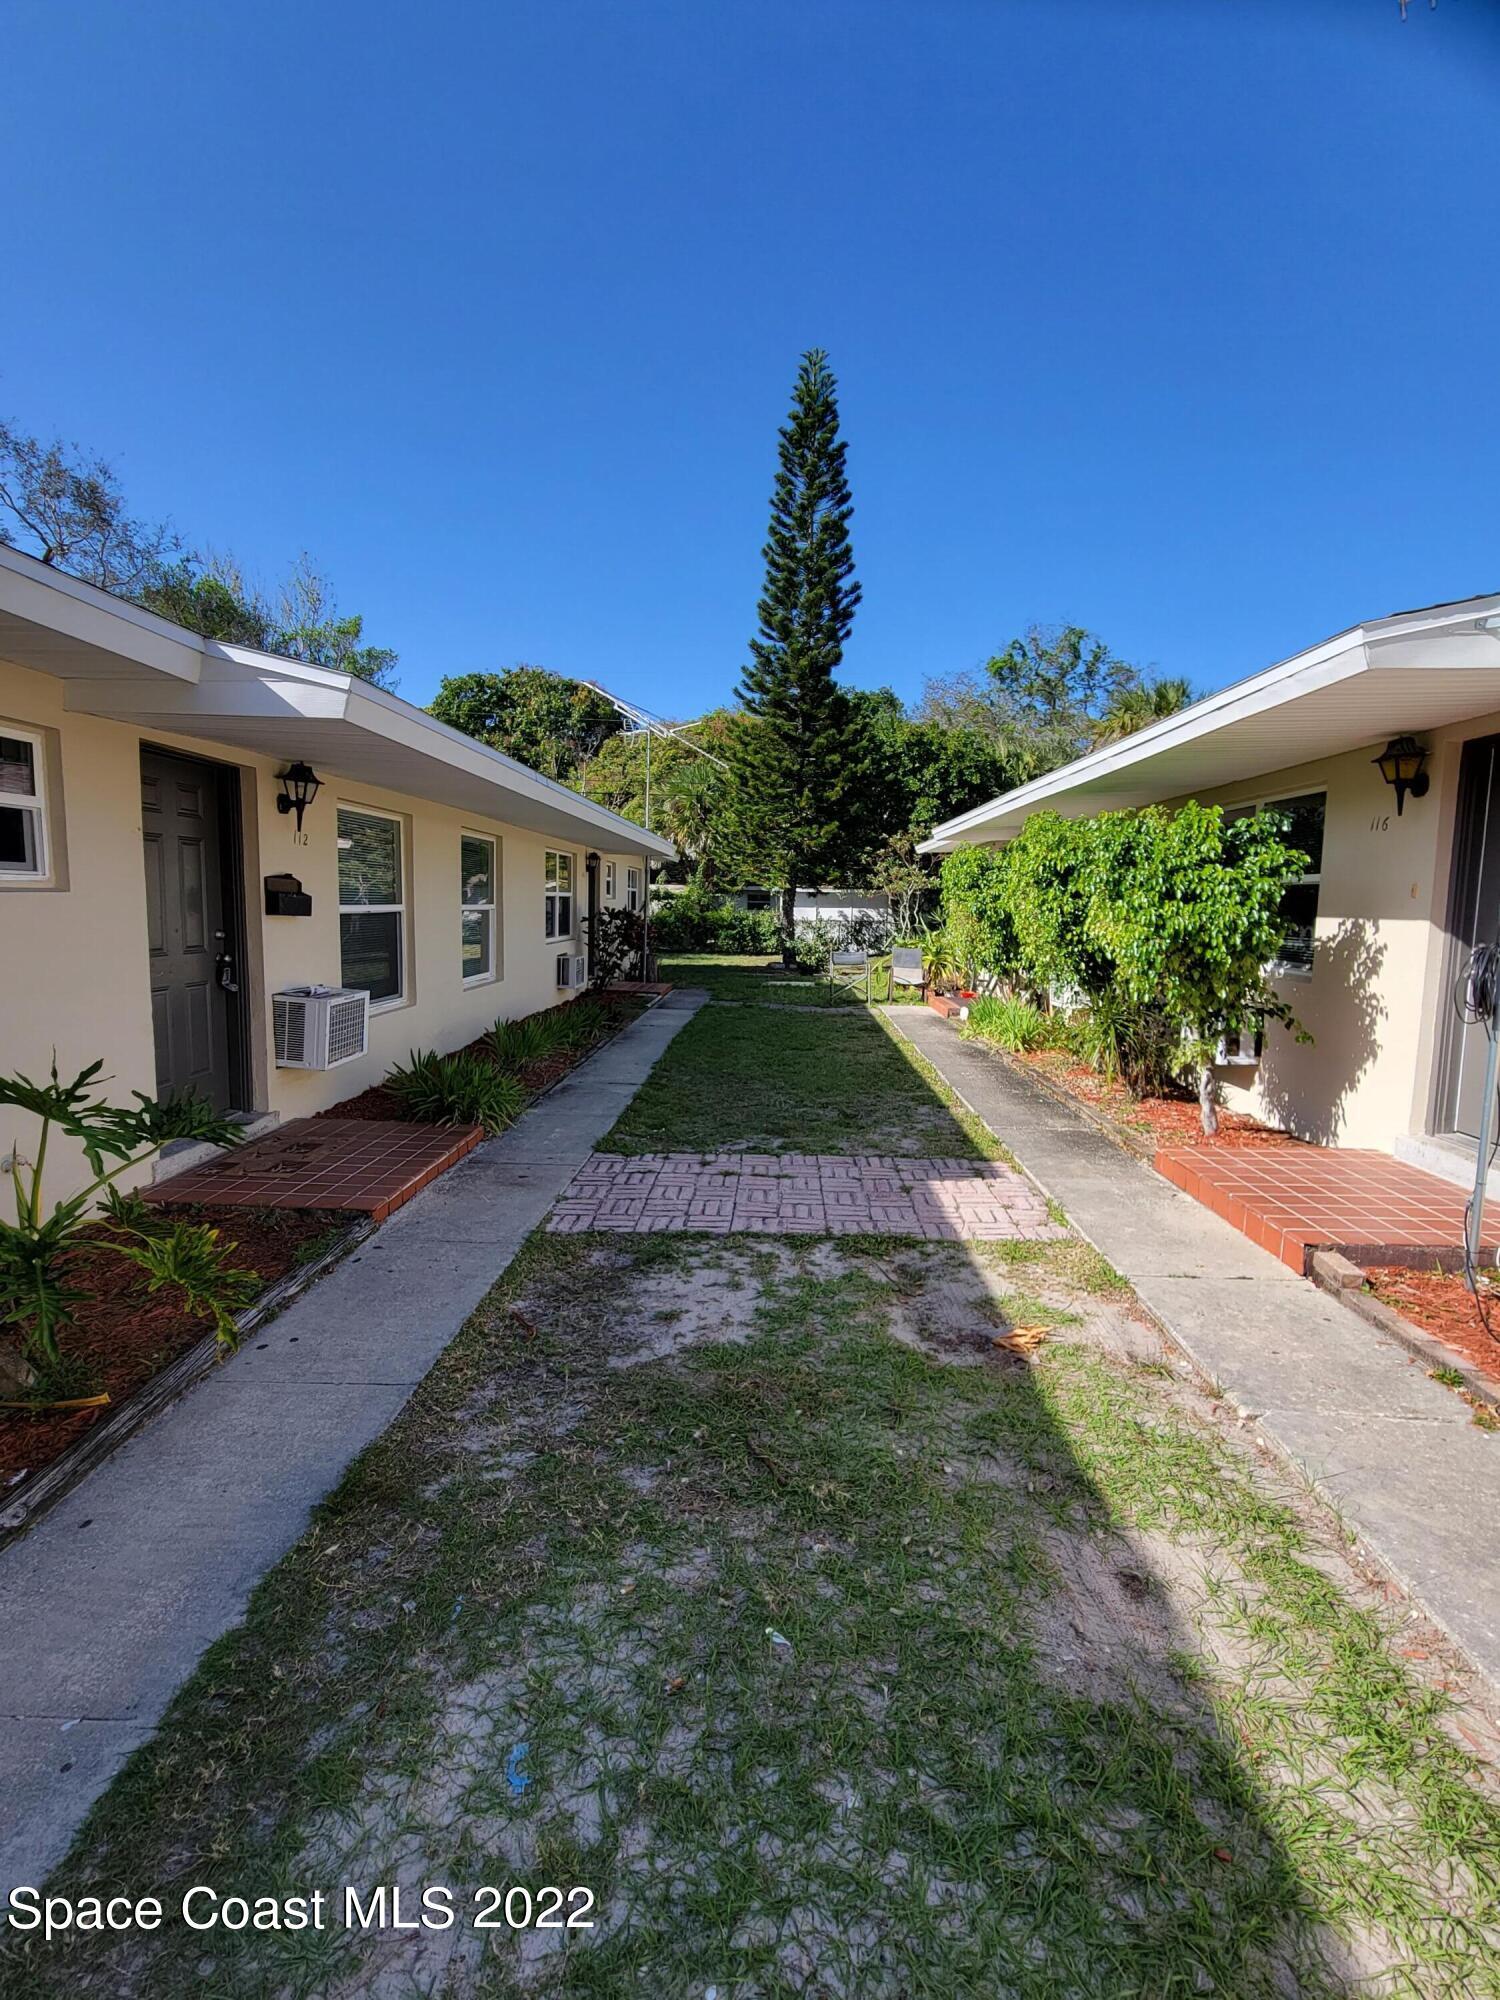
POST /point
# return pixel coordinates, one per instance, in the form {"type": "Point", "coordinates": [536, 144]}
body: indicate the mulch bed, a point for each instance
{"type": "Point", "coordinates": [1171, 1120]}
{"type": "Point", "coordinates": [1442, 1304]}
{"type": "Point", "coordinates": [127, 1333]}
{"type": "Point", "coordinates": [377, 1101]}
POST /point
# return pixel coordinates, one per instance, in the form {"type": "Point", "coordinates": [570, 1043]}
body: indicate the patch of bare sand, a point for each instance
{"type": "Point", "coordinates": [1106, 1625]}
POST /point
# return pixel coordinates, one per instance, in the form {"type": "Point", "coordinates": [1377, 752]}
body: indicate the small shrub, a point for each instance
{"type": "Point", "coordinates": [1012, 1024]}
{"type": "Point", "coordinates": [696, 920]}
{"type": "Point", "coordinates": [459, 1089]}
{"type": "Point", "coordinates": [864, 930]}
{"type": "Point", "coordinates": [35, 1296]}
{"type": "Point", "coordinates": [813, 944]}
{"type": "Point", "coordinates": [942, 959]}
{"type": "Point", "coordinates": [581, 1023]}
{"type": "Point", "coordinates": [516, 1043]}
{"type": "Point", "coordinates": [1131, 1044]}
{"type": "Point", "coordinates": [614, 938]}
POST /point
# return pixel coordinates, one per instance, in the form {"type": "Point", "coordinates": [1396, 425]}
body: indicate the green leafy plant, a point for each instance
{"type": "Point", "coordinates": [812, 945]}
{"type": "Point", "coordinates": [942, 958]}
{"type": "Point", "coordinates": [1158, 924]}
{"type": "Point", "coordinates": [614, 937]}
{"type": "Point", "coordinates": [978, 924]}
{"type": "Point", "coordinates": [1012, 1024]}
{"type": "Point", "coordinates": [516, 1043]}
{"type": "Point", "coordinates": [581, 1023]}
{"type": "Point", "coordinates": [1133, 1044]}
{"type": "Point", "coordinates": [694, 919]}
{"type": "Point", "coordinates": [36, 1296]}
{"type": "Point", "coordinates": [460, 1089]}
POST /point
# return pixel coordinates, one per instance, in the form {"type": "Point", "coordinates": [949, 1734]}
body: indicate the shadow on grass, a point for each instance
{"type": "Point", "coordinates": [835, 1652]}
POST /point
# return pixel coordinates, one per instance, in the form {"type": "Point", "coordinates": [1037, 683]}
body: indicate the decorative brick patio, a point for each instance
{"type": "Point", "coordinates": [1292, 1200]}
{"type": "Point", "coordinates": [803, 1194]}
{"type": "Point", "coordinates": [367, 1164]}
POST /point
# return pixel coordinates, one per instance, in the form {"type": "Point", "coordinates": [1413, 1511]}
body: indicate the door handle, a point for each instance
{"type": "Point", "coordinates": [224, 970]}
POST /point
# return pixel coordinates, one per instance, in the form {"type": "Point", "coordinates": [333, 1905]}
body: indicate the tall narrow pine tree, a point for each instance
{"type": "Point", "coordinates": [794, 757]}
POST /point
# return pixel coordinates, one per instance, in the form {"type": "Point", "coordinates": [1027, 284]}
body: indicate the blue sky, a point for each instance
{"type": "Point", "coordinates": [1175, 320]}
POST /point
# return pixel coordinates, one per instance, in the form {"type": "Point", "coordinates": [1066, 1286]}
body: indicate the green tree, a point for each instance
{"type": "Point", "coordinates": [307, 626]}
{"type": "Point", "coordinates": [1051, 696]}
{"type": "Point", "coordinates": [795, 759]}
{"type": "Point", "coordinates": [688, 791]}
{"type": "Point", "coordinates": [544, 720]}
{"type": "Point", "coordinates": [1134, 708]}
{"type": "Point", "coordinates": [66, 508]}
{"type": "Point", "coordinates": [213, 596]}
{"type": "Point", "coordinates": [1190, 911]}
{"type": "Point", "coordinates": [917, 773]}
{"type": "Point", "coordinates": [1162, 922]}
{"type": "Point", "coordinates": [204, 602]}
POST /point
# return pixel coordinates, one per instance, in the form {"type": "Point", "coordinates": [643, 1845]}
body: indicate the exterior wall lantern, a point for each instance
{"type": "Point", "coordinates": [300, 785]}
{"type": "Point", "coordinates": [1401, 764]}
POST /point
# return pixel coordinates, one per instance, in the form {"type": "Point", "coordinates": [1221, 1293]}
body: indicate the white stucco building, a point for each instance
{"type": "Point", "coordinates": [1379, 928]}
{"type": "Point", "coordinates": [145, 913]}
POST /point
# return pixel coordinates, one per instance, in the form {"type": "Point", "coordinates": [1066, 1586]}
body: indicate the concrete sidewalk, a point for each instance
{"type": "Point", "coordinates": [1398, 1455]}
{"type": "Point", "coordinates": [106, 1606]}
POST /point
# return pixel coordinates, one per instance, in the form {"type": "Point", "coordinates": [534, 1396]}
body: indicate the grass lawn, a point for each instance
{"type": "Point", "coordinates": [764, 1080]}
{"type": "Point", "coordinates": [761, 979]}
{"type": "Point", "coordinates": [834, 1652]}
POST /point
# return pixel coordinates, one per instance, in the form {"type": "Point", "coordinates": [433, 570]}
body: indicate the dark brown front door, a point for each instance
{"type": "Point", "coordinates": [191, 956]}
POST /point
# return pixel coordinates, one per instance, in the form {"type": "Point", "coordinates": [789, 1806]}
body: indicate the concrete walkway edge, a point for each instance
{"type": "Point", "coordinates": [1397, 1455]}
{"type": "Point", "coordinates": [108, 1603]}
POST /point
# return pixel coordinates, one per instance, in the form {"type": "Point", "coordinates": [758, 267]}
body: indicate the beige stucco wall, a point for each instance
{"type": "Point", "coordinates": [74, 973]}
{"type": "Point", "coordinates": [1376, 998]}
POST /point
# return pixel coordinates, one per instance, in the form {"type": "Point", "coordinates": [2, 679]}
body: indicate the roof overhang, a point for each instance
{"type": "Point", "coordinates": [130, 666]}
{"type": "Point", "coordinates": [359, 734]}
{"type": "Point", "coordinates": [1415, 671]}
{"type": "Point", "coordinates": [56, 625]}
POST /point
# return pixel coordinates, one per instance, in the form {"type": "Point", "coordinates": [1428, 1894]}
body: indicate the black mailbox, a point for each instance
{"type": "Point", "coordinates": [285, 897]}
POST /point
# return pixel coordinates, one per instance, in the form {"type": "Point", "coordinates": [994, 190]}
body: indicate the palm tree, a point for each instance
{"type": "Point", "coordinates": [1134, 707]}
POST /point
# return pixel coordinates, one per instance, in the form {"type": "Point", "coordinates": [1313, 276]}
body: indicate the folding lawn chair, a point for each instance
{"type": "Point", "coordinates": [848, 972]}
{"type": "Point", "coordinates": [907, 968]}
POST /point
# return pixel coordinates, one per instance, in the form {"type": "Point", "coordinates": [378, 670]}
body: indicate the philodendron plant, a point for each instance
{"type": "Point", "coordinates": [36, 1298]}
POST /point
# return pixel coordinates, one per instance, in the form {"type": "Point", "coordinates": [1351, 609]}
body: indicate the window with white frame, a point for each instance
{"type": "Point", "coordinates": [609, 881]}
{"type": "Point", "coordinates": [632, 888]}
{"type": "Point", "coordinates": [559, 894]}
{"type": "Point", "coordinates": [23, 807]}
{"type": "Point", "coordinates": [372, 903]}
{"type": "Point", "coordinates": [477, 893]}
{"type": "Point", "coordinates": [1302, 817]}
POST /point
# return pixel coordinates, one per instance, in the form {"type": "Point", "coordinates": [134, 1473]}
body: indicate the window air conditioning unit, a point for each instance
{"type": "Point", "coordinates": [572, 970]}
{"type": "Point", "coordinates": [319, 1027]}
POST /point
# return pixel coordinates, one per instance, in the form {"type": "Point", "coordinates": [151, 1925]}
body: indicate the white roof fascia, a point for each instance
{"type": "Point", "coordinates": [1267, 690]}
{"type": "Point", "coordinates": [240, 686]}
{"type": "Point", "coordinates": [1404, 639]}
{"type": "Point", "coordinates": [376, 708]}
{"type": "Point", "coordinates": [386, 714]}
{"type": "Point", "coordinates": [56, 624]}
{"type": "Point", "coordinates": [121, 661]}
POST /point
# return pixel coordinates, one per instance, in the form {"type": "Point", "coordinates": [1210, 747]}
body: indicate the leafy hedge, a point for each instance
{"type": "Point", "coordinates": [1159, 922]}
{"type": "Point", "coordinates": [695, 921]}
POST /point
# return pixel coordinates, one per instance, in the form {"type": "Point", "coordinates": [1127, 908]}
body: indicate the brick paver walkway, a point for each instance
{"type": "Point", "coordinates": [803, 1194]}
